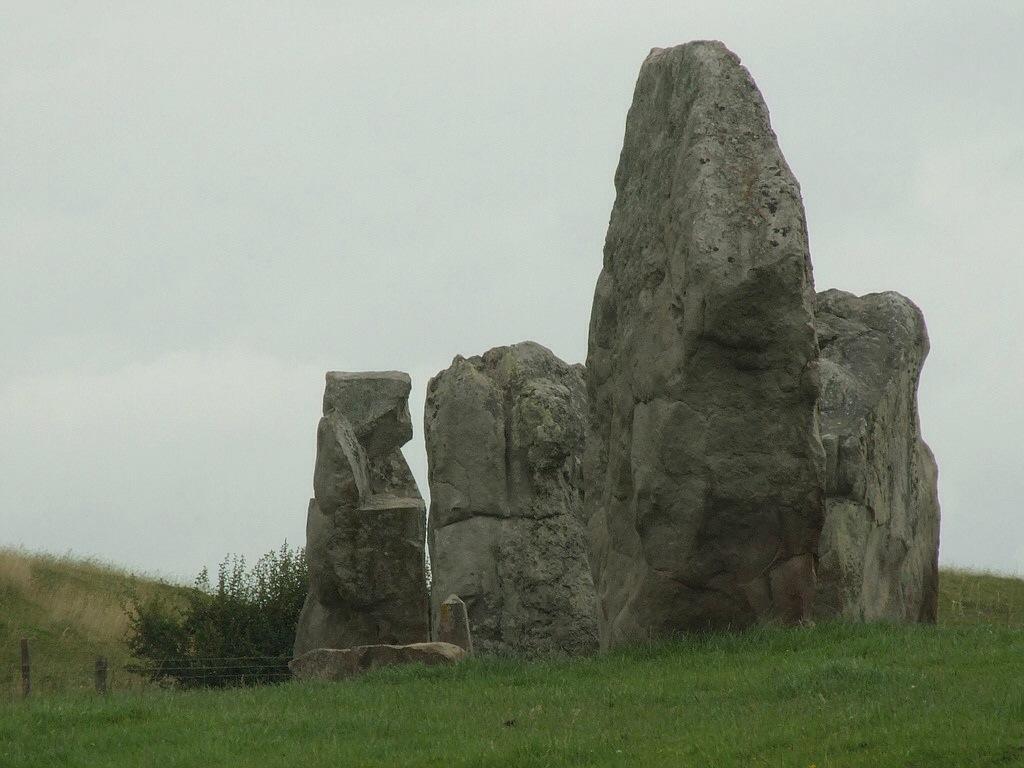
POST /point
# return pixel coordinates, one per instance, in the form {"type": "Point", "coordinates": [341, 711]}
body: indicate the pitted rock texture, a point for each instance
{"type": "Point", "coordinates": [704, 467]}
{"type": "Point", "coordinates": [880, 543]}
{"type": "Point", "coordinates": [504, 434]}
{"type": "Point", "coordinates": [366, 525]}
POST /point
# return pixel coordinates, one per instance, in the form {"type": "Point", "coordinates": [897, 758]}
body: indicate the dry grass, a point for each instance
{"type": "Point", "coordinates": [99, 619]}
{"type": "Point", "coordinates": [15, 570]}
{"type": "Point", "coordinates": [82, 596]}
{"type": "Point", "coordinates": [71, 611]}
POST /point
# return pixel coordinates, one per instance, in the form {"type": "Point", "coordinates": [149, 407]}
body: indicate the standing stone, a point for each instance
{"type": "Point", "coordinates": [704, 464]}
{"type": "Point", "coordinates": [504, 434]}
{"type": "Point", "coordinates": [880, 543]}
{"type": "Point", "coordinates": [453, 624]}
{"type": "Point", "coordinates": [365, 528]}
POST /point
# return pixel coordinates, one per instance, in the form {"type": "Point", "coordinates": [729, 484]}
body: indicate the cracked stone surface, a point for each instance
{"type": "Point", "coordinates": [504, 434]}
{"type": "Point", "coordinates": [704, 466]}
{"type": "Point", "coordinates": [880, 542]}
{"type": "Point", "coordinates": [365, 526]}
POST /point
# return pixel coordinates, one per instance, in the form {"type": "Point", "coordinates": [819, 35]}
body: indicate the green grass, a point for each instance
{"type": "Point", "coordinates": [829, 695]}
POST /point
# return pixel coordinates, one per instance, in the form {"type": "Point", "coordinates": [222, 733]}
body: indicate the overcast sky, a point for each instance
{"type": "Point", "coordinates": [205, 206]}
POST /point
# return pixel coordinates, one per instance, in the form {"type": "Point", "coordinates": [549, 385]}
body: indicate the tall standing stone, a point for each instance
{"type": "Point", "coordinates": [880, 543]}
{"type": "Point", "coordinates": [704, 463]}
{"type": "Point", "coordinates": [365, 528]}
{"type": "Point", "coordinates": [504, 434]}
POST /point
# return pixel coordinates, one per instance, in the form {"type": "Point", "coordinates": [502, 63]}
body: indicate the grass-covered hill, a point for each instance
{"type": "Point", "coordinates": [71, 611]}
{"type": "Point", "coordinates": [830, 695]}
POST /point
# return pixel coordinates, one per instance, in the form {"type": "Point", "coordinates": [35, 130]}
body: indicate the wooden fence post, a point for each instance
{"type": "Point", "coordinates": [101, 675]}
{"type": "Point", "coordinates": [26, 669]}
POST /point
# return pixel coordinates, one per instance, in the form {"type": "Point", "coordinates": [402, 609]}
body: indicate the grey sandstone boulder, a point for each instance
{"type": "Point", "coordinates": [704, 467]}
{"type": "Point", "coordinates": [504, 434]}
{"type": "Point", "coordinates": [333, 664]}
{"type": "Point", "coordinates": [879, 547]}
{"type": "Point", "coordinates": [365, 527]}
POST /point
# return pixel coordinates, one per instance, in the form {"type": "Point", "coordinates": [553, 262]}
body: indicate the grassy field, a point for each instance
{"type": "Point", "coordinates": [830, 695]}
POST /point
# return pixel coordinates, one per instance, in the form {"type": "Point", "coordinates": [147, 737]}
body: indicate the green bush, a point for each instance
{"type": "Point", "coordinates": [239, 631]}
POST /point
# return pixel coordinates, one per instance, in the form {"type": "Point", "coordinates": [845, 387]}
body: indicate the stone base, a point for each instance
{"type": "Point", "coordinates": [342, 663]}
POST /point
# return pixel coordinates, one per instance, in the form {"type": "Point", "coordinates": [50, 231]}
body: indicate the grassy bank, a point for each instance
{"type": "Point", "coordinates": [830, 695]}
{"type": "Point", "coordinates": [967, 598]}
{"type": "Point", "coordinates": [71, 611]}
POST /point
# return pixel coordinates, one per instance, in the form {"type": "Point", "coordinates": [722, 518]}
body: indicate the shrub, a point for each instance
{"type": "Point", "coordinates": [239, 631]}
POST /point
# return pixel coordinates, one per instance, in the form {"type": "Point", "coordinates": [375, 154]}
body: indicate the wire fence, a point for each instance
{"type": "Point", "coordinates": [215, 672]}
{"type": "Point", "coordinates": [46, 676]}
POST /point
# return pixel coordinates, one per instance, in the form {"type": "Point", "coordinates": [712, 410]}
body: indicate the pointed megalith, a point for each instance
{"type": "Point", "coordinates": [366, 525]}
{"type": "Point", "coordinates": [453, 624]}
{"type": "Point", "coordinates": [504, 434]}
{"type": "Point", "coordinates": [704, 465]}
{"type": "Point", "coordinates": [880, 544]}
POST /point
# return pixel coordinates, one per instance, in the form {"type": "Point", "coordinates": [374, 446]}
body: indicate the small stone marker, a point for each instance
{"type": "Point", "coordinates": [453, 624]}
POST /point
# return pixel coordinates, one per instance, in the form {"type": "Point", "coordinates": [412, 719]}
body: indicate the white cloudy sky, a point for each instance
{"type": "Point", "coordinates": [204, 206]}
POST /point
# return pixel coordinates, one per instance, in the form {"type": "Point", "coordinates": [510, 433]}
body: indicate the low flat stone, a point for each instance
{"type": "Point", "coordinates": [342, 663]}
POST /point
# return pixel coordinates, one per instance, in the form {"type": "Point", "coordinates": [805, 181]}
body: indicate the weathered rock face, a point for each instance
{"type": "Point", "coordinates": [365, 529]}
{"type": "Point", "coordinates": [704, 467]}
{"type": "Point", "coordinates": [334, 664]}
{"type": "Point", "coordinates": [504, 434]}
{"type": "Point", "coordinates": [880, 543]}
